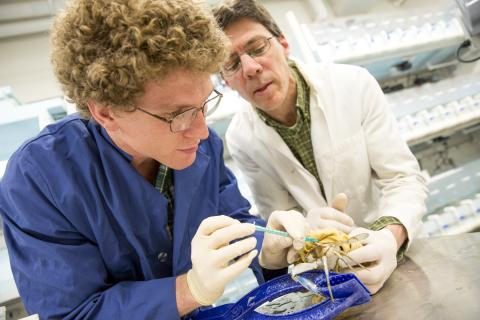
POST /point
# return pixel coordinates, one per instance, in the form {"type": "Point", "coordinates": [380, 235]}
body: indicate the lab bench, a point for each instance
{"type": "Point", "coordinates": [439, 279]}
{"type": "Point", "coordinates": [9, 296]}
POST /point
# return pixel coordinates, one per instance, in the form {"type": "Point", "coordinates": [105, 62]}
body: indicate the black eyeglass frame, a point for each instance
{"type": "Point", "coordinates": [218, 96]}
{"type": "Point", "coordinates": [253, 56]}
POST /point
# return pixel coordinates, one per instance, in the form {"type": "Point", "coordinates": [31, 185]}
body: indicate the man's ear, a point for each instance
{"type": "Point", "coordinates": [284, 43]}
{"type": "Point", "coordinates": [226, 81]}
{"type": "Point", "coordinates": [102, 114]}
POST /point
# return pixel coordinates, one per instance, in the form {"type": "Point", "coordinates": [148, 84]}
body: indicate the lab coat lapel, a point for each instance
{"type": "Point", "coordinates": [321, 144]}
{"type": "Point", "coordinates": [269, 137]}
{"type": "Point", "coordinates": [320, 130]}
{"type": "Point", "coordinates": [187, 183]}
{"type": "Point", "coordinates": [302, 185]}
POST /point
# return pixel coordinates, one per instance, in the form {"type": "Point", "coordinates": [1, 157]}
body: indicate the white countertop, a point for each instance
{"type": "Point", "coordinates": [8, 289]}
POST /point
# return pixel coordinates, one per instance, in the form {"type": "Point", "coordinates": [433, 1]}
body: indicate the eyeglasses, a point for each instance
{"type": "Point", "coordinates": [256, 48]}
{"type": "Point", "coordinates": [183, 120]}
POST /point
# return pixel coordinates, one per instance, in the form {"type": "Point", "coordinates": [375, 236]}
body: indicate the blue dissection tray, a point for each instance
{"type": "Point", "coordinates": [347, 290]}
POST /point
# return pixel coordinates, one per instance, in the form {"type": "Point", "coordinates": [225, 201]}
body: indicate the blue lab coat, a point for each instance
{"type": "Point", "coordinates": [86, 233]}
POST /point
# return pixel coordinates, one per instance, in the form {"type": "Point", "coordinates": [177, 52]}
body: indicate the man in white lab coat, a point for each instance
{"type": "Point", "coordinates": [316, 131]}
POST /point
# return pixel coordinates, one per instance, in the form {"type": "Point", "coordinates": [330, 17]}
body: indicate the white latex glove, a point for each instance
{"type": "Point", "coordinates": [277, 251]}
{"type": "Point", "coordinates": [331, 217]}
{"type": "Point", "coordinates": [380, 253]}
{"type": "Point", "coordinates": [212, 255]}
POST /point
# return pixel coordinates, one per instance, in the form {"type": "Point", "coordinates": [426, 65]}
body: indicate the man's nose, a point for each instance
{"type": "Point", "coordinates": [250, 66]}
{"type": "Point", "coordinates": [198, 128]}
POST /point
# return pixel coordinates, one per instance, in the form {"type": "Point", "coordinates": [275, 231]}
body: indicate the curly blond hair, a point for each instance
{"type": "Point", "coordinates": [107, 50]}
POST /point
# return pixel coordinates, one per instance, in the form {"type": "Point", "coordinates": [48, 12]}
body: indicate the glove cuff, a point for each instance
{"type": "Point", "coordinates": [274, 261]}
{"type": "Point", "coordinates": [197, 292]}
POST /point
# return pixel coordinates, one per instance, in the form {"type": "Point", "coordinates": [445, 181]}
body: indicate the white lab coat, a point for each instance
{"type": "Point", "coordinates": [357, 147]}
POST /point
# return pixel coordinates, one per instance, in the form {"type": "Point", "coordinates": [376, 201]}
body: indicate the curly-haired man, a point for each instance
{"type": "Point", "coordinates": [126, 210]}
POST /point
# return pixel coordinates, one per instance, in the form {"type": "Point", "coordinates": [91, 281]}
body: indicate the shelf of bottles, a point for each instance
{"type": "Point", "coordinates": [454, 202]}
{"type": "Point", "coordinates": [437, 109]}
{"type": "Point", "coordinates": [365, 38]}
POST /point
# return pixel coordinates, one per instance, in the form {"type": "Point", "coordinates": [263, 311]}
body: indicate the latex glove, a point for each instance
{"type": "Point", "coordinates": [277, 251]}
{"type": "Point", "coordinates": [331, 217]}
{"type": "Point", "coordinates": [212, 255]}
{"type": "Point", "coordinates": [379, 253]}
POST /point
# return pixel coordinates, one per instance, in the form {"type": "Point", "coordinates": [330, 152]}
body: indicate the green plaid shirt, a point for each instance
{"type": "Point", "coordinates": [164, 184]}
{"type": "Point", "coordinates": [299, 139]}
{"type": "Point", "coordinates": [381, 223]}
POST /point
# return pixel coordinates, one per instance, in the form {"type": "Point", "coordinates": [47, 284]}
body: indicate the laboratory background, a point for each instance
{"type": "Point", "coordinates": [423, 53]}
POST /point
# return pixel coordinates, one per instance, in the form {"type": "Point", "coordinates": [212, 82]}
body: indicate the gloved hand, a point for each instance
{"type": "Point", "coordinates": [212, 256]}
{"type": "Point", "coordinates": [331, 217]}
{"type": "Point", "coordinates": [379, 253]}
{"type": "Point", "coordinates": [277, 251]}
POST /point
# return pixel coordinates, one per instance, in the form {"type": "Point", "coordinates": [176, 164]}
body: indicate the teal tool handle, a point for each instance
{"type": "Point", "coordinates": [282, 233]}
{"type": "Point", "coordinates": [310, 239]}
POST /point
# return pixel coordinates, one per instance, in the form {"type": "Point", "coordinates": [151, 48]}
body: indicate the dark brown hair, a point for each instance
{"type": "Point", "coordinates": [227, 12]}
